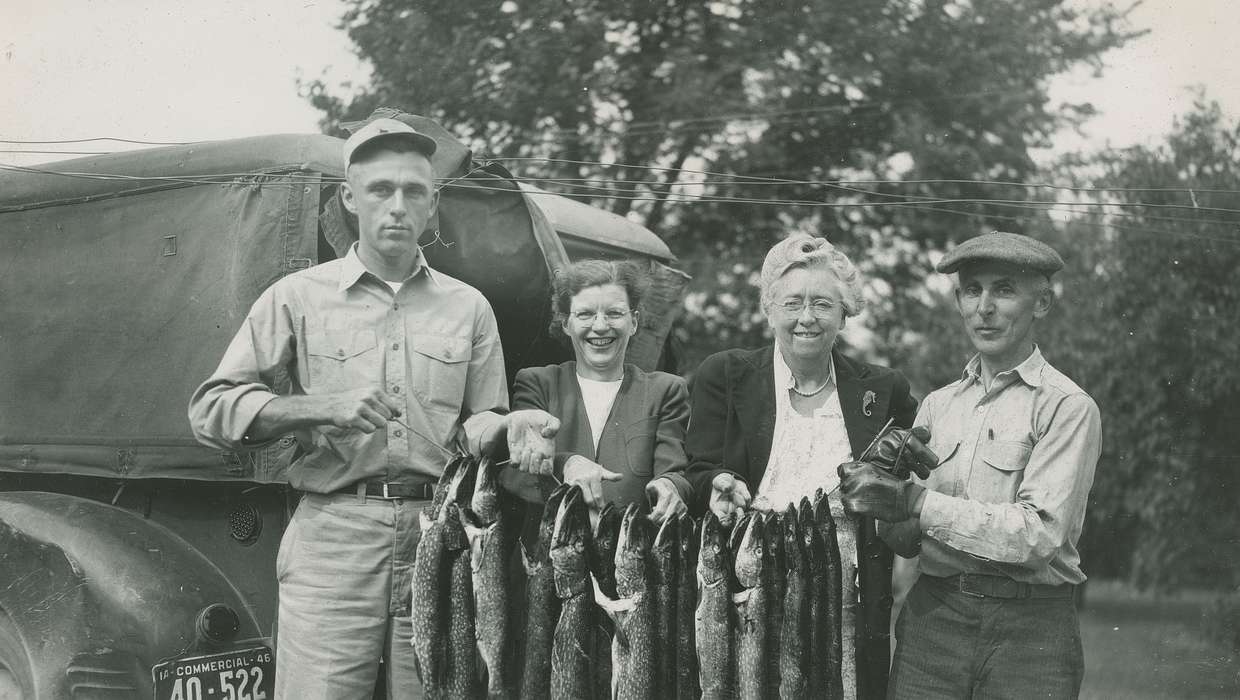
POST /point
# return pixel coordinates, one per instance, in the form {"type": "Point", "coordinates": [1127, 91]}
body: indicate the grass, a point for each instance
{"type": "Point", "coordinates": [1140, 646]}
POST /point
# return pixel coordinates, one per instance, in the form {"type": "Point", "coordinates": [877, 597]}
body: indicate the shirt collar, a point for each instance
{"type": "Point", "coordinates": [352, 269]}
{"type": "Point", "coordinates": [1029, 371]}
{"type": "Point", "coordinates": [783, 373]}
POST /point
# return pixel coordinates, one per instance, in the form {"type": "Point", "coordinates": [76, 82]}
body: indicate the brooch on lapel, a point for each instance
{"type": "Point", "coordinates": [867, 403]}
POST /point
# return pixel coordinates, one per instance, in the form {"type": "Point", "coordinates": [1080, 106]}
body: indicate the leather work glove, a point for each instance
{"type": "Point", "coordinates": [901, 451]}
{"type": "Point", "coordinates": [867, 489]}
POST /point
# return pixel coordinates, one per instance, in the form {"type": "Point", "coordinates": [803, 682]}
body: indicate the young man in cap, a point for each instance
{"type": "Point", "coordinates": [388, 361]}
{"type": "Point", "coordinates": [996, 524]}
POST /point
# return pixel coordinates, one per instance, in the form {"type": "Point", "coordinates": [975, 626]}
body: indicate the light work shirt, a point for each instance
{"type": "Point", "coordinates": [1011, 499]}
{"type": "Point", "coordinates": [433, 344]}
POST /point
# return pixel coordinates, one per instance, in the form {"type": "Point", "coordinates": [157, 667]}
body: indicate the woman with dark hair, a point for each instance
{"type": "Point", "coordinates": [619, 426]}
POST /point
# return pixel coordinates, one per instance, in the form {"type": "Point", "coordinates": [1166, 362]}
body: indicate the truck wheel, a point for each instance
{"type": "Point", "coordinates": [15, 672]}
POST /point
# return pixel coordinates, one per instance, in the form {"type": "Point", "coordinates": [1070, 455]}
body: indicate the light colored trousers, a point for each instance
{"type": "Point", "coordinates": [344, 569]}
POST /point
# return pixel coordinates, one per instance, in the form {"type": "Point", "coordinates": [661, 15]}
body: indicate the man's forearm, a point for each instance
{"type": "Point", "coordinates": [285, 414]}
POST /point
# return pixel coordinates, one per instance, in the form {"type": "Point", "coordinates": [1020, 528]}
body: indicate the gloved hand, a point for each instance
{"type": "Point", "coordinates": [867, 489]}
{"type": "Point", "coordinates": [901, 451]}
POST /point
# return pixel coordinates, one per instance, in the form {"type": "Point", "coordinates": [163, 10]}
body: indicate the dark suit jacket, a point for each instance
{"type": "Point", "coordinates": [643, 438]}
{"type": "Point", "coordinates": [733, 423]}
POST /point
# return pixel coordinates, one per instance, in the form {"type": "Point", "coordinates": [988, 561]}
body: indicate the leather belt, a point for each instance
{"type": "Point", "coordinates": [988, 586]}
{"type": "Point", "coordinates": [393, 491]}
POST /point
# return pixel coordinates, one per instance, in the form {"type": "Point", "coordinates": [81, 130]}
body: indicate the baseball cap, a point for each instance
{"type": "Point", "coordinates": [387, 127]}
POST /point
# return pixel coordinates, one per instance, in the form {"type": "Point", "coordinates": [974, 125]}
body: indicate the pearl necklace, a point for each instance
{"type": "Point", "coordinates": [807, 394]}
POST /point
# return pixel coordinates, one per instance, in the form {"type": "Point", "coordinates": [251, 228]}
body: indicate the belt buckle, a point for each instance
{"type": "Point", "coordinates": [385, 490]}
{"type": "Point", "coordinates": [962, 582]}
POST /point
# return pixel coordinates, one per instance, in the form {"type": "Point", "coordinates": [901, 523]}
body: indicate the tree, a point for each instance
{"type": "Point", "coordinates": [1149, 328]}
{"type": "Point", "coordinates": [682, 113]}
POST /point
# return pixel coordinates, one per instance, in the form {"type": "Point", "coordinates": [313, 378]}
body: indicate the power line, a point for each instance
{"type": "Point", "coordinates": [914, 202]}
{"type": "Point", "coordinates": [104, 138]}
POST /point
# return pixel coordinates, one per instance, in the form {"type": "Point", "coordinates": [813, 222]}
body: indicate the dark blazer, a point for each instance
{"type": "Point", "coordinates": [733, 423]}
{"type": "Point", "coordinates": [643, 438]}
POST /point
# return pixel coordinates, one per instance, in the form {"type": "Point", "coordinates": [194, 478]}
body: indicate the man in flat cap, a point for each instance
{"type": "Point", "coordinates": [996, 524]}
{"type": "Point", "coordinates": [389, 362]}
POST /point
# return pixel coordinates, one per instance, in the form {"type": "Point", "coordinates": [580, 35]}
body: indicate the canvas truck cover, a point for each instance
{"type": "Point", "coordinates": [124, 277]}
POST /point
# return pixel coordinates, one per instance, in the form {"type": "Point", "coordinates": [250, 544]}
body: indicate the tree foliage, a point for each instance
{"type": "Point", "coordinates": [1149, 328]}
{"type": "Point", "coordinates": [691, 116]}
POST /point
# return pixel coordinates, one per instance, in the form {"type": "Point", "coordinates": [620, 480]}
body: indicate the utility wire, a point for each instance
{"type": "Point", "coordinates": [914, 202]}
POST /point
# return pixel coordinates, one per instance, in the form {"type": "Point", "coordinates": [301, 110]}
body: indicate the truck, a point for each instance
{"type": "Point", "coordinates": [135, 562]}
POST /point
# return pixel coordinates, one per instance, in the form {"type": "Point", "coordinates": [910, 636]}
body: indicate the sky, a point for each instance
{"type": "Point", "coordinates": [181, 70]}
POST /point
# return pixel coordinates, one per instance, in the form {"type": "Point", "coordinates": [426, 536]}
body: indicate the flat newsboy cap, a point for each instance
{"type": "Point", "coordinates": [1022, 251]}
{"type": "Point", "coordinates": [387, 127]}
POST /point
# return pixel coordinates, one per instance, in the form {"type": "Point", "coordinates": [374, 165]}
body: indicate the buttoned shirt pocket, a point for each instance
{"type": "Point", "coordinates": [341, 359]}
{"type": "Point", "coordinates": [999, 473]}
{"type": "Point", "coordinates": [639, 439]}
{"type": "Point", "coordinates": [439, 365]}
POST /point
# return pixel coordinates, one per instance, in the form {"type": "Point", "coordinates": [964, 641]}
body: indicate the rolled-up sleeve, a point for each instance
{"type": "Point", "coordinates": [1049, 508]}
{"type": "Point", "coordinates": [223, 407]}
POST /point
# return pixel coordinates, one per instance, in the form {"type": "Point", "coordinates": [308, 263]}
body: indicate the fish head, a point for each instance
{"type": "Point", "coordinates": [794, 547]}
{"type": "Point", "coordinates": [603, 553]}
{"type": "Point", "coordinates": [822, 515]}
{"type": "Point", "coordinates": [632, 551]}
{"type": "Point", "coordinates": [666, 541]}
{"type": "Point", "coordinates": [805, 518]}
{"type": "Point", "coordinates": [454, 535]}
{"type": "Point", "coordinates": [546, 525]}
{"type": "Point", "coordinates": [461, 489]}
{"type": "Point", "coordinates": [572, 526]}
{"type": "Point", "coordinates": [749, 554]}
{"type": "Point", "coordinates": [485, 500]}
{"type": "Point", "coordinates": [738, 530]}
{"type": "Point", "coordinates": [443, 488]}
{"type": "Point", "coordinates": [688, 537]}
{"type": "Point", "coordinates": [712, 549]}
{"type": "Point", "coordinates": [773, 537]}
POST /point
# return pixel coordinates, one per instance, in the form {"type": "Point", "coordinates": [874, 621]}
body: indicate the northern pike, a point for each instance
{"type": "Point", "coordinates": [817, 682]}
{"type": "Point", "coordinates": [773, 537]}
{"type": "Point", "coordinates": [712, 626]}
{"type": "Point", "coordinates": [752, 610]}
{"type": "Point", "coordinates": [834, 594]}
{"type": "Point", "coordinates": [686, 604]}
{"type": "Point", "coordinates": [664, 555]}
{"type": "Point", "coordinates": [490, 538]}
{"type": "Point", "coordinates": [606, 536]}
{"type": "Point", "coordinates": [429, 581]}
{"type": "Point", "coordinates": [794, 633]}
{"type": "Point", "coordinates": [603, 568]}
{"type": "Point", "coordinates": [542, 608]}
{"type": "Point", "coordinates": [461, 675]}
{"type": "Point", "coordinates": [574, 631]}
{"type": "Point", "coordinates": [633, 649]}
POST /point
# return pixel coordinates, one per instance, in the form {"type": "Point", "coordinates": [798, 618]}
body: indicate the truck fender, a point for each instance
{"type": "Point", "coordinates": [92, 596]}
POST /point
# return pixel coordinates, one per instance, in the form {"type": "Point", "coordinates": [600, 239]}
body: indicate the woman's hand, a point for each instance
{"type": "Point", "coordinates": [590, 477]}
{"type": "Point", "coordinates": [666, 501]}
{"type": "Point", "coordinates": [728, 495]}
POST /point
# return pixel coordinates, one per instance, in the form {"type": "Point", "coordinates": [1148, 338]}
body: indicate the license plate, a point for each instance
{"type": "Point", "coordinates": [244, 674]}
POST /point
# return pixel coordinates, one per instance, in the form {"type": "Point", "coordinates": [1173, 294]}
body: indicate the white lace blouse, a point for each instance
{"type": "Point", "coordinates": [805, 451]}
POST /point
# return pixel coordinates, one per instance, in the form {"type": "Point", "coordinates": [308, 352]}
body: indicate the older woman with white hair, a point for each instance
{"type": "Point", "coordinates": [775, 422]}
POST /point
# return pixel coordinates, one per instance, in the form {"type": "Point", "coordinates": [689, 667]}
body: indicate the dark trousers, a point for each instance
{"type": "Point", "coordinates": [951, 644]}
